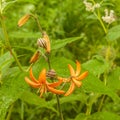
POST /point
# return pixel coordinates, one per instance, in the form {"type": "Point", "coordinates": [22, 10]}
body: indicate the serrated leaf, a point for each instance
{"type": "Point", "coordinates": [113, 33]}
{"type": "Point", "coordinates": [61, 43]}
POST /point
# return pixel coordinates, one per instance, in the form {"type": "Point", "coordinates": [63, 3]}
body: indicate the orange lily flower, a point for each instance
{"type": "Point", "coordinates": [75, 78]}
{"type": "Point", "coordinates": [42, 83]}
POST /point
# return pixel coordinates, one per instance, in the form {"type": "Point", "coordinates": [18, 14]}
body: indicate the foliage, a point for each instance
{"type": "Point", "coordinates": [75, 34]}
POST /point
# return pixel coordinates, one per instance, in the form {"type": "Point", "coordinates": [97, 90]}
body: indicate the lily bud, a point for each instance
{"type": "Point", "coordinates": [46, 38]}
{"type": "Point", "coordinates": [23, 20]}
{"type": "Point", "coordinates": [35, 57]}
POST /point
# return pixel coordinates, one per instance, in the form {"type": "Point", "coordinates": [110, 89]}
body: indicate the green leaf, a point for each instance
{"type": "Point", "coordinates": [114, 79]}
{"type": "Point", "coordinates": [5, 61]}
{"type": "Point", "coordinates": [104, 116]}
{"type": "Point", "coordinates": [12, 87]}
{"type": "Point", "coordinates": [73, 97]}
{"type": "Point", "coordinates": [61, 43]}
{"type": "Point", "coordinates": [81, 116]}
{"type": "Point", "coordinates": [27, 35]}
{"type": "Point", "coordinates": [113, 33]}
{"type": "Point", "coordinates": [96, 66]}
{"type": "Point", "coordinates": [6, 5]}
{"type": "Point", "coordinates": [94, 85]}
{"type": "Point", "coordinates": [36, 100]}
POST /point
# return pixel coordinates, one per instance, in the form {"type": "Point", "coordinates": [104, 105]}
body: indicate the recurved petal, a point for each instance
{"type": "Point", "coordinates": [31, 83]}
{"type": "Point", "coordinates": [55, 91]}
{"type": "Point", "coordinates": [72, 72]}
{"type": "Point", "coordinates": [77, 83]}
{"type": "Point", "coordinates": [32, 76]}
{"type": "Point", "coordinates": [63, 79]}
{"type": "Point", "coordinates": [78, 68]}
{"type": "Point", "coordinates": [55, 84]}
{"type": "Point", "coordinates": [42, 77]}
{"type": "Point", "coordinates": [82, 76]}
{"type": "Point", "coordinates": [70, 90]}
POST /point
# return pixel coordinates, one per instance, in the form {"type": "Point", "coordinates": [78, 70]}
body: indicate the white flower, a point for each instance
{"type": "Point", "coordinates": [91, 7]}
{"type": "Point", "coordinates": [109, 16]}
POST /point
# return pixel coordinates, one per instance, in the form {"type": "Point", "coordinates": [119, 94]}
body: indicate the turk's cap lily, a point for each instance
{"type": "Point", "coordinates": [75, 77]}
{"type": "Point", "coordinates": [43, 84]}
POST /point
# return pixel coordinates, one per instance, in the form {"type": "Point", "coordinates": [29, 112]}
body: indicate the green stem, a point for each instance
{"type": "Point", "coordinates": [22, 110]}
{"type": "Point", "coordinates": [89, 108]}
{"type": "Point", "coordinates": [59, 107]}
{"type": "Point", "coordinates": [101, 22]}
{"type": "Point", "coordinates": [37, 21]}
{"type": "Point", "coordinates": [9, 112]}
{"type": "Point", "coordinates": [101, 103]}
{"type": "Point", "coordinates": [8, 43]}
{"type": "Point", "coordinates": [57, 96]}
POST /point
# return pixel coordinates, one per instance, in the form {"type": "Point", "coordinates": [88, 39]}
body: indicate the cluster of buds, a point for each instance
{"type": "Point", "coordinates": [42, 83]}
{"type": "Point", "coordinates": [90, 6]}
{"type": "Point", "coordinates": [109, 16]}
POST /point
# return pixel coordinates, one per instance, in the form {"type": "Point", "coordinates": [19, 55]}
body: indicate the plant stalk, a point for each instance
{"type": "Point", "coordinates": [7, 42]}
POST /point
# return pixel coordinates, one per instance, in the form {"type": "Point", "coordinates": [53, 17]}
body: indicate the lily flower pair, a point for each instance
{"type": "Point", "coordinates": [44, 86]}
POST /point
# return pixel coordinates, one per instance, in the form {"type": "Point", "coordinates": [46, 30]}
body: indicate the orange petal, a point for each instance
{"type": "Point", "coordinates": [72, 72]}
{"type": "Point", "coordinates": [43, 90]}
{"type": "Point", "coordinates": [47, 40]}
{"type": "Point", "coordinates": [70, 90]}
{"type": "Point", "coordinates": [55, 91]}
{"type": "Point", "coordinates": [82, 76]}
{"type": "Point", "coordinates": [78, 68]}
{"type": "Point", "coordinates": [55, 84]}
{"type": "Point", "coordinates": [77, 83]}
{"type": "Point", "coordinates": [42, 77]}
{"type": "Point", "coordinates": [32, 76]}
{"type": "Point", "coordinates": [63, 79]}
{"type": "Point", "coordinates": [31, 83]}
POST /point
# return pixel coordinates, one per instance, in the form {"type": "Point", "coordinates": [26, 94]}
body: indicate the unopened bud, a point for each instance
{"type": "Point", "coordinates": [51, 73]}
{"type": "Point", "coordinates": [23, 20]}
{"type": "Point", "coordinates": [35, 57]}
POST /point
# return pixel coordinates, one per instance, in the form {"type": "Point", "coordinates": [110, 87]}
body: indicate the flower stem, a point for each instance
{"type": "Point", "coordinates": [57, 96]}
{"type": "Point", "coordinates": [37, 21]}
{"type": "Point", "coordinates": [101, 22]}
{"type": "Point", "coordinates": [59, 107]}
{"type": "Point", "coordinates": [8, 46]}
{"type": "Point", "coordinates": [9, 112]}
